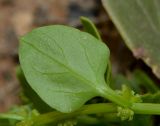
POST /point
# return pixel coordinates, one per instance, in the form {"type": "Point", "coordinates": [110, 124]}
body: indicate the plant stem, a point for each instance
{"type": "Point", "coordinates": [11, 116]}
{"type": "Point", "coordinates": [108, 73]}
{"type": "Point", "coordinates": [86, 109]}
{"type": "Point", "coordinates": [88, 120]}
{"type": "Point", "coordinates": [138, 108]}
{"type": "Point", "coordinates": [111, 95]}
{"type": "Point", "coordinates": [146, 108]}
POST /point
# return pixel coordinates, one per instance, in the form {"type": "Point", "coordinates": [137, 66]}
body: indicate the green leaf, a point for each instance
{"type": "Point", "coordinates": [60, 63]}
{"type": "Point", "coordinates": [90, 27]}
{"type": "Point", "coordinates": [139, 24]}
{"type": "Point", "coordinates": [33, 97]}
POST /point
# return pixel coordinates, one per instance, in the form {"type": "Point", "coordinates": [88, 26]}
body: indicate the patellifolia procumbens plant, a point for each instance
{"type": "Point", "coordinates": [66, 67]}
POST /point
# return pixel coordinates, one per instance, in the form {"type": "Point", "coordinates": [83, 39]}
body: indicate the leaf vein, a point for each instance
{"type": "Point", "coordinates": [66, 67]}
{"type": "Point", "coordinates": [147, 16]}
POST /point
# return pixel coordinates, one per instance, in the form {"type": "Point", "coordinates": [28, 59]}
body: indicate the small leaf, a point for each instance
{"type": "Point", "coordinates": [60, 63]}
{"type": "Point", "coordinates": [130, 95]}
{"type": "Point", "coordinates": [139, 24]}
{"type": "Point", "coordinates": [90, 27]}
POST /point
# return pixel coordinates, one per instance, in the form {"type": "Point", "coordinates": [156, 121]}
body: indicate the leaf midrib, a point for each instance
{"type": "Point", "coordinates": [68, 68]}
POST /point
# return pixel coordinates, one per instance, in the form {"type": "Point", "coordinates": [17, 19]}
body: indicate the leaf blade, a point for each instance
{"type": "Point", "coordinates": [139, 24]}
{"type": "Point", "coordinates": [90, 27]}
{"type": "Point", "coordinates": [68, 65]}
